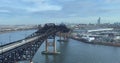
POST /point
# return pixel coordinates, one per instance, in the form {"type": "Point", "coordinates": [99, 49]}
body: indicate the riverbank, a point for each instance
{"type": "Point", "coordinates": [98, 43]}
{"type": "Point", "coordinates": [15, 31]}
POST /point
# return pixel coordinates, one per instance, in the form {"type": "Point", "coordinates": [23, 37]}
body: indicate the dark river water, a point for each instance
{"type": "Point", "coordinates": [73, 52]}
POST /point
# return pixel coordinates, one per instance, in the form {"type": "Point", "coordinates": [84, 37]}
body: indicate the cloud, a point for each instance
{"type": "Point", "coordinates": [42, 5]}
{"type": "Point", "coordinates": [29, 5]}
{"type": "Point", "coordinates": [35, 9]}
{"type": "Point", "coordinates": [112, 1]}
{"type": "Point", "coordinates": [4, 11]}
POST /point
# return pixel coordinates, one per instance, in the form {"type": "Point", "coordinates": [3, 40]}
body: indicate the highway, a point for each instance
{"type": "Point", "coordinates": [17, 44]}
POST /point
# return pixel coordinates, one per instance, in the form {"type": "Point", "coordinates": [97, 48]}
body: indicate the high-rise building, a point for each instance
{"type": "Point", "coordinates": [98, 22]}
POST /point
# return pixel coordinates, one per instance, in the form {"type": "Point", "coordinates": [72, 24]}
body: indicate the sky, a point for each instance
{"type": "Point", "coordinates": [58, 11]}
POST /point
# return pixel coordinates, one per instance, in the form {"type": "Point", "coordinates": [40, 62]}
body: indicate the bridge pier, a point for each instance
{"type": "Point", "coordinates": [16, 62]}
{"type": "Point", "coordinates": [31, 61]}
{"type": "Point", "coordinates": [47, 45]}
{"type": "Point", "coordinates": [54, 45]}
{"type": "Point", "coordinates": [60, 36]}
{"type": "Point", "coordinates": [65, 37]}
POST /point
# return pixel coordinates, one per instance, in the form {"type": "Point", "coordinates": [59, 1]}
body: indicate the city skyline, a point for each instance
{"type": "Point", "coordinates": [57, 11]}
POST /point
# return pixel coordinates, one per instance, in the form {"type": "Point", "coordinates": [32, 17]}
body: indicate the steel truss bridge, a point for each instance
{"type": "Point", "coordinates": [25, 49]}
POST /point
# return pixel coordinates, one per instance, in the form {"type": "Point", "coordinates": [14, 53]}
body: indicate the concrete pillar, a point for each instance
{"type": "Point", "coordinates": [60, 35]}
{"type": "Point", "coordinates": [67, 35]}
{"type": "Point", "coordinates": [64, 36]}
{"type": "Point", "coordinates": [54, 45]}
{"type": "Point", "coordinates": [46, 45]}
{"type": "Point", "coordinates": [16, 61]}
{"type": "Point", "coordinates": [31, 61]}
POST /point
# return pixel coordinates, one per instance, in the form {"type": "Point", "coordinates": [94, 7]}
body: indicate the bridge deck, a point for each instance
{"type": "Point", "coordinates": [16, 44]}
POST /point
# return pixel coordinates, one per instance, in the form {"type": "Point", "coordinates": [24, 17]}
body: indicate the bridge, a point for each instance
{"type": "Point", "coordinates": [25, 49]}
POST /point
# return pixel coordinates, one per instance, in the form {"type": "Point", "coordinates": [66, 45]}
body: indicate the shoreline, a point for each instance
{"type": "Point", "coordinates": [15, 31]}
{"type": "Point", "coordinates": [98, 43]}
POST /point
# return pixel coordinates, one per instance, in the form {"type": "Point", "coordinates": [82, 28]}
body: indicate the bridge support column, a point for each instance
{"type": "Point", "coordinates": [60, 36]}
{"type": "Point", "coordinates": [46, 45]}
{"type": "Point", "coordinates": [16, 62]}
{"type": "Point", "coordinates": [64, 35]}
{"type": "Point", "coordinates": [53, 46]}
{"type": "Point", "coordinates": [31, 61]}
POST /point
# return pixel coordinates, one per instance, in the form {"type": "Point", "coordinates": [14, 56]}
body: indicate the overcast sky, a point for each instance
{"type": "Point", "coordinates": [72, 11]}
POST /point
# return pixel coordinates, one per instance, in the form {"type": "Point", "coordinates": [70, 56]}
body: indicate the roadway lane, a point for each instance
{"type": "Point", "coordinates": [16, 44]}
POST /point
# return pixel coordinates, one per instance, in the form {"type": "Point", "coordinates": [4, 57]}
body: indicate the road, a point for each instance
{"type": "Point", "coordinates": [17, 44]}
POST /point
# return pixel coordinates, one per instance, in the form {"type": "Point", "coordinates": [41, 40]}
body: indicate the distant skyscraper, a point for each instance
{"type": "Point", "coordinates": [98, 22]}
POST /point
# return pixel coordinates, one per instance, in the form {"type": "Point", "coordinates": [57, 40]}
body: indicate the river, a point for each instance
{"type": "Point", "coordinates": [75, 52]}
{"type": "Point", "coordinates": [14, 36]}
